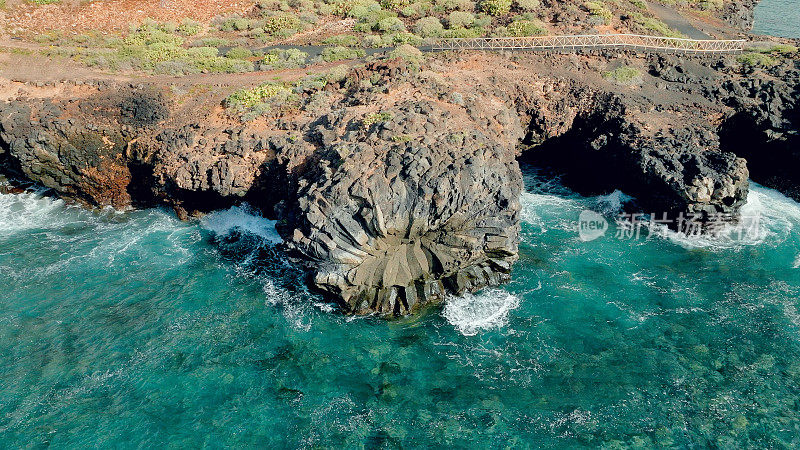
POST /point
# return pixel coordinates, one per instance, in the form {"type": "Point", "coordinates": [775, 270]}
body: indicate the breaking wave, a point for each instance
{"type": "Point", "coordinates": [486, 310]}
{"type": "Point", "coordinates": [767, 218]}
{"type": "Point", "coordinates": [242, 218]}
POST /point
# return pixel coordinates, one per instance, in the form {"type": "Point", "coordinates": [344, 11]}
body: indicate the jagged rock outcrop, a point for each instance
{"type": "Point", "coordinates": [80, 161]}
{"type": "Point", "coordinates": [408, 210]}
{"type": "Point", "coordinates": [394, 189]}
{"type": "Point", "coordinates": [765, 129]}
{"type": "Point", "coordinates": [672, 165]}
{"type": "Point", "coordinates": [739, 13]}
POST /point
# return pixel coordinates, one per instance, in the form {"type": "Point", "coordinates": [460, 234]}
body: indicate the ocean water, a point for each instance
{"type": "Point", "coordinates": [135, 329]}
{"type": "Point", "coordinates": [778, 18]}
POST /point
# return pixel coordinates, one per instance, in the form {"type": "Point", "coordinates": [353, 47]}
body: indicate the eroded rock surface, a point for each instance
{"type": "Point", "coordinates": [395, 223]}
{"type": "Point", "coordinates": [395, 188]}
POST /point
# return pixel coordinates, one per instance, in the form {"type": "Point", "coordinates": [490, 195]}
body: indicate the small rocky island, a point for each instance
{"type": "Point", "coordinates": [394, 178]}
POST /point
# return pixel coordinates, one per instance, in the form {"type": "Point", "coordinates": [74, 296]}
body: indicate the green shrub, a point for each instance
{"type": "Point", "coordinates": [41, 2]}
{"type": "Point", "coordinates": [235, 23]}
{"type": "Point", "coordinates": [248, 98]}
{"type": "Point", "coordinates": [395, 5]}
{"type": "Point", "coordinates": [373, 41]}
{"type": "Point", "coordinates": [527, 5]}
{"type": "Point", "coordinates": [482, 21]}
{"type": "Point", "coordinates": [412, 55]}
{"type": "Point", "coordinates": [521, 28]}
{"type": "Point", "coordinates": [360, 10]}
{"type": "Point", "coordinates": [780, 49]}
{"type": "Point", "coordinates": [462, 33]}
{"type": "Point", "coordinates": [390, 24]}
{"type": "Point", "coordinates": [401, 38]}
{"type": "Point", "coordinates": [151, 49]}
{"type": "Point", "coordinates": [451, 5]}
{"type": "Point", "coordinates": [370, 22]}
{"type": "Point", "coordinates": [175, 68]}
{"type": "Point", "coordinates": [211, 42]}
{"type": "Point", "coordinates": [202, 52]}
{"type": "Point", "coordinates": [282, 23]}
{"type": "Point", "coordinates": [641, 4]}
{"type": "Point", "coordinates": [599, 11]}
{"type": "Point", "coordinates": [284, 59]}
{"type": "Point", "coordinates": [371, 119]}
{"type": "Point", "coordinates": [710, 5]}
{"type": "Point", "coordinates": [168, 27]}
{"type": "Point", "coordinates": [754, 59]}
{"type": "Point", "coordinates": [496, 7]}
{"type": "Point", "coordinates": [340, 53]}
{"type": "Point", "coordinates": [149, 36]}
{"type": "Point", "coordinates": [189, 27]}
{"type": "Point", "coordinates": [239, 53]}
{"type": "Point", "coordinates": [624, 75]}
{"type": "Point", "coordinates": [409, 11]}
{"type": "Point", "coordinates": [429, 27]}
{"type": "Point", "coordinates": [337, 74]}
{"type": "Point", "coordinates": [343, 40]}
{"type": "Point", "coordinates": [460, 19]}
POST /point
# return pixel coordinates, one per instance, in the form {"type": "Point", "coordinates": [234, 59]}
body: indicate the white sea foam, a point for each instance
{"type": "Point", "coordinates": [612, 203]}
{"type": "Point", "coordinates": [31, 210]}
{"type": "Point", "coordinates": [536, 207]}
{"type": "Point", "coordinates": [768, 218]}
{"type": "Point", "coordinates": [473, 313]}
{"type": "Point", "coordinates": [797, 262]}
{"type": "Point", "coordinates": [242, 218]}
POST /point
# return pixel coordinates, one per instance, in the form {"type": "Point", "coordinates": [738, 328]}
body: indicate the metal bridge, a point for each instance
{"type": "Point", "coordinates": [599, 41]}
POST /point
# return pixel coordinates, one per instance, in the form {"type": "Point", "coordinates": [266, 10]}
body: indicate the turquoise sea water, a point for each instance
{"type": "Point", "coordinates": [778, 18]}
{"type": "Point", "coordinates": [134, 329]}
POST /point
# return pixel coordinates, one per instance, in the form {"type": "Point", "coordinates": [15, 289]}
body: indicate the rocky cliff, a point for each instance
{"type": "Point", "coordinates": [399, 191]}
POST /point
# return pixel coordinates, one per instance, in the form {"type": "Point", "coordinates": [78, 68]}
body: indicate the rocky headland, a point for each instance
{"type": "Point", "coordinates": [398, 183]}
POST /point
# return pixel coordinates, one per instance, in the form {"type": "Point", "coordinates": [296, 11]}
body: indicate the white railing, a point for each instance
{"type": "Point", "coordinates": [574, 42]}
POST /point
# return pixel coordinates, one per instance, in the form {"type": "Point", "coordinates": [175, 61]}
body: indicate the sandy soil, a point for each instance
{"type": "Point", "coordinates": [111, 15]}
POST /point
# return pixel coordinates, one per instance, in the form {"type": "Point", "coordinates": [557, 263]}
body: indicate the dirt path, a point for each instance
{"type": "Point", "coordinates": [28, 66]}
{"type": "Point", "coordinates": [676, 21]}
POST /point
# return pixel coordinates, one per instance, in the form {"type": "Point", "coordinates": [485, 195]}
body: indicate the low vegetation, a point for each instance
{"type": "Point", "coordinates": [248, 98]}
{"type": "Point", "coordinates": [372, 119]}
{"type": "Point", "coordinates": [772, 48]}
{"type": "Point", "coordinates": [496, 7]}
{"type": "Point", "coordinates": [412, 55]}
{"type": "Point", "coordinates": [755, 59]}
{"type": "Point", "coordinates": [226, 43]}
{"type": "Point", "coordinates": [284, 59]}
{"type": "Point", "coordinates": [273, 97]}
{"type": "Point", "coordinates": [151, 48]}
{"type": "Point", "coordinates": [625, 75]}
{"type": "Point", "coordinates": [598, 12]}
{"type": "Point", "coordinates": [340, 53]}
{"type": "Point", "coordinates": [525, 27]}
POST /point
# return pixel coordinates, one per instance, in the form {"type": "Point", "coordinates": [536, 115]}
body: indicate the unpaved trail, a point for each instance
{"type": "Point", "coordinates": [676, 20]}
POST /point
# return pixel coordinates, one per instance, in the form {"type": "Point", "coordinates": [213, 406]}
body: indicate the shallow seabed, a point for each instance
{"type": "Point", "coordinates": [134, 329]}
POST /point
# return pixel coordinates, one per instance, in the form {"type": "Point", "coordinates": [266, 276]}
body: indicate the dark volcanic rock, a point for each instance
{"type": "Point", "coordinates": [80, 161]}
{"type": "Point", "coordinates": [765, 130]}
{"type": "Point", "coordinates": [671, 165]}
{"type": "Point", "coordinates": [739, 13]}
{"type": "Point", "coordinates": [396, 190]}
{"type": "Point", "coordinates": [393, 224]}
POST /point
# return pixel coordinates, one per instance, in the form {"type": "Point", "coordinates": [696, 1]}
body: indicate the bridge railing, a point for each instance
{"type": "Point", "coordinates": [573, 42]}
